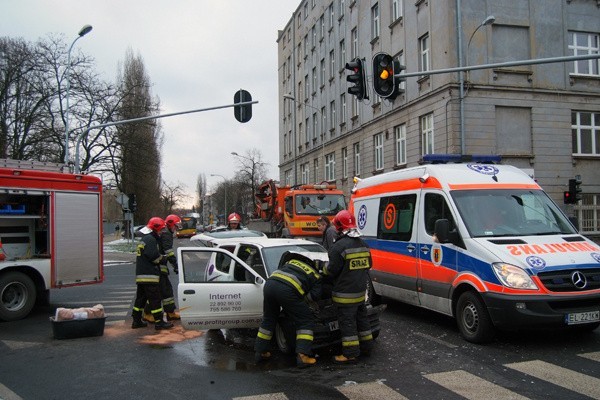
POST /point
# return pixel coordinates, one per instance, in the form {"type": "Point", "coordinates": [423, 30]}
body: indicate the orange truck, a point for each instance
{"type": "Point", "coordinates": [292, 211]}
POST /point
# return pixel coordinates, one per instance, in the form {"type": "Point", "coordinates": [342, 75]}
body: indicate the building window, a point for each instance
{"type": "Point", "coordinates": [424, 52]}
{"type": "Point", "coordinates": [314, 75]}
{"type": "Point", "coordinates": [585, 128]}
{"type": "Point", "coordinates": [356, 159]}
{"type": "Point", "coordinates": [330, 167]}
{"type": "Point", "coordinates": [582, 43]}
{"type": "Point", "coordinates": [332, 115]}
{"type": "Point", "coordinates": [343, 108]}
{"type": "Point", "coordinates": [342, 7]}
{"type": "Point", "coordinates": [322, 28]}
{"type": "Point", "coordinates": [426, 124]}
{"type": "Point", "coordinates": [315, 126]}
{"type": "Point", "coordinates": [305, 10]}
{"type": "Point", "coordinates": [287, 177]}
{"type": "Point", "coordinates": [400, 139]}
{"type": "Point", "coordinates": [304, 168]}
{"type": "Point", "coordinates": [588, 213]}
{"type": "Point", "coordinates": [285, 144]}
{"type": "Point", "coordinates": [396, 9]}
{"type": "Point", "coordinates": [331, 16]}
{"type": "Point", "coordinates": [305, 46]}
{"type": "Point", "coordinates": [316, 169]}
{"type": "Point", "coordinates": [378, 145]}
{"type": "Point", "coordinates": [308, 133]}
{"type": "Point", "coordinates": [322, 71]}
{"type": "Point", "coordinates": [314, 36]}
{"type": "Point", "coordinates": [375, 28]}
{"type": "Point", "coordinates": [300, 134]}
{"type": "Point", "coordinates": [342, 53]}
{"type": "Point", "coordinates": [323, 123]}
{"type": "Point", "coordinates": [354, 39]}
{"type": "Point", "coordinates": [344, 162]}
{"type": "Point", "coordinates": [332, 64]}
{"type": "Point", "coordinates": [306, 87]}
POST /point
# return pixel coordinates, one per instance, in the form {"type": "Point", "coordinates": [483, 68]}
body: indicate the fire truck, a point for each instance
{"type": "Point", "coordinates": [292, 211]}
{"type": "Point", "coordinates": [50, 233]}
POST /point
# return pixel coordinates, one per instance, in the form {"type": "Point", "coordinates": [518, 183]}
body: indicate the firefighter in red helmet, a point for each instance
{"type": "Point", "coordinates": [349, 263]}
{"type": "Point", "coordinates": [172, 222]}
{"type": "Point", "coordinates": [234, 221]}
{"type": "Point", "coordinates": [147, 271]}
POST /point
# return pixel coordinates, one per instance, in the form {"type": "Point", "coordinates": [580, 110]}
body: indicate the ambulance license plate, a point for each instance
{"type": "Point", "coordinates": [334, 326]}
{"type": "Point", "coordinates": [582, 317]}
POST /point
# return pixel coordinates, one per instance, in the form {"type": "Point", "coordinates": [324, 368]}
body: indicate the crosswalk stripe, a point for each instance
{"type": "Point", "coordinates": [368, 391]}
{"type": "Point", "coordinates": [117, 314]}
{"type": "Point", "coordinates": [471, 386]}
{"type": "Point", "coordinates": [7, 394]}
{"type": "Point", "coordinates": [595, 356]}
{"type": "Point", "coordinates": [566, 378]}
{"type": "Point", "coordinates": [270, 396]}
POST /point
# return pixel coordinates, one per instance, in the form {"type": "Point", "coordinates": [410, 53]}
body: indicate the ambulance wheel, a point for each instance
{"type": "Point", "coordinates": [474, 322]}
{"type": "Point", "coordinates": [17, 296]}
{"type": "Point", "coordinates": [371, 297]}
{"type": "Point", "coordinates": [284, 336]}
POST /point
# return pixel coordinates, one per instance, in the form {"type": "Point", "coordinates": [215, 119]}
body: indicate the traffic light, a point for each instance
{"type": "Point", "coordinates": [575, 189]}
{"type": "Point", "coordinates": [242, 113]}
{"type": "Point", "coordinates": [385, 80]}
{"type": "Point", "coordinates": [358, 78]}
{"type": "Point", "coordinates": [132, 203]}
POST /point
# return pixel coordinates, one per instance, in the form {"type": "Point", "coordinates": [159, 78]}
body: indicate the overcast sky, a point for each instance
{"type": "Point", "coordinates": [197, 53]}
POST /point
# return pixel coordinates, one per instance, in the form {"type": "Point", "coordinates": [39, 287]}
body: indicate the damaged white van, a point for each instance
{"type": "Point", "coordinates": [478, 241]}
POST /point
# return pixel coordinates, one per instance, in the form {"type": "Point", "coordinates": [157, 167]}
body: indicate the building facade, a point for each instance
{"type": "Point", "coordinates": [544, 118]}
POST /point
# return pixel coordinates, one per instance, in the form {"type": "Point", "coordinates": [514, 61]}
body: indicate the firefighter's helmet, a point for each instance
{"type": "Point", "coordinates": [156, 224]}
{"type": "Point", "coordinates": [344, 220]}
{"type": "Point", "coordinates": [234, 217]}
{"type": "Point", "coordinates": [173, 221]}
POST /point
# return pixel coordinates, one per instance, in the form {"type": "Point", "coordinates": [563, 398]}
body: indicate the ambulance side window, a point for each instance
{"type": "Point", "coordinates": [396, 216]}
{"type": "Point", "coordinates": [436, 208]}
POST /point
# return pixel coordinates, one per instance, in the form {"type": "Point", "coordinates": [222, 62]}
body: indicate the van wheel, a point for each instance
{"type": "Point", "coordinates": [371, 297]}
{"type": "Point", "coordinates": [284, 336]}
{"type": "Point", "coordinates": [473, 320]}
{"type": "Point", "coordinates": [17, 296]}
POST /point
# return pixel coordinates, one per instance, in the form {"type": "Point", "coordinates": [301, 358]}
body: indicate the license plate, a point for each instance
{"type": "Point", "coordinates": [582, 317]}
{"type": "Point", "coordinates": [334, 326]}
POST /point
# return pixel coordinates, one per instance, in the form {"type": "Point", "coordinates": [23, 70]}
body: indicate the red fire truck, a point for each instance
{"type": "Point", "coordinates": [50, 233]}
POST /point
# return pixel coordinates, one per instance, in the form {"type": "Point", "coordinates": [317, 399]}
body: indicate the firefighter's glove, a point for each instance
{"type": "Point", "coordinates": [176, 270]}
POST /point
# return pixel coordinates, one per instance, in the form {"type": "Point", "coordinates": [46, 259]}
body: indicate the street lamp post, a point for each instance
{"type": "Point", "coordinates": [292, 98]}
{"type": "Point", "coordinates": [489, 20]}
{"type": "Point", "coordinates": [225, 189]}
{"type": "Point", "coordinates": [252, 171]}
{"type": "Point", "coordinates": [84, 31]}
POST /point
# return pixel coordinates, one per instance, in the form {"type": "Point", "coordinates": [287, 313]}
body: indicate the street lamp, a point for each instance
{"type": "Point", "coordinates": [225, 189]}
{"type": "Point", "coordinates": [489, 20]}
{"type": "Point", "coordinates": [252, 171]}
{"type": "Point", "coordinates": [292, 98]}
{"type": "Point", "coordinates": [84, 31]}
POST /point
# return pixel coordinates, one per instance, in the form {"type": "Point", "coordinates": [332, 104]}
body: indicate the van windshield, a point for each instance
{"type": "Point", "coordinates": [319, 204]}
{"type": "Point", "coordinates": [510, 212]}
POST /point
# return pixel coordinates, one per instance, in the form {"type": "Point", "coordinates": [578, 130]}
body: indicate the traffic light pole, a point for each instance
{"type": "Point", "coordinates": [126, 121]}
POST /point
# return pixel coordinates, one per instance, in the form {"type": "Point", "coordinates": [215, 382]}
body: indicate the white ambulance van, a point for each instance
{"type": "Point", "coordinates": [478, 241]}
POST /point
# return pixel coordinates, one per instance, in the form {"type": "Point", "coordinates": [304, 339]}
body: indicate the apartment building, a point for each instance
{"type": "Point", "coordinates": [544, 118]}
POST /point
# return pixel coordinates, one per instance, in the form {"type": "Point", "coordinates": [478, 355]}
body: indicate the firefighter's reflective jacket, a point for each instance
{"type": "Point", "coordinates": [301, 276]}
{"type": "Point", "coordinates": [166, 247]}
{"type": "Point", "coordinates": [149, 257]}
{"type": "Point", "coordinates": [349, 263]}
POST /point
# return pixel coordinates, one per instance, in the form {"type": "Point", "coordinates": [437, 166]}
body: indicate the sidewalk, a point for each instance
{"type": "Point", "coordinates": [118, 249]}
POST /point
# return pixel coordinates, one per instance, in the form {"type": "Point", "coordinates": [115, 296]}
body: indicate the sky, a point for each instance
{"type": "Point", "coordinates": [197, 54]}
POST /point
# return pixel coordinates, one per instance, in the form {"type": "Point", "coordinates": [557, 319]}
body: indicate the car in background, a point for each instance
{"type": "Point", "coordinates": [221, 287]}
{"type": "Point", "coordinates": [206, 238]}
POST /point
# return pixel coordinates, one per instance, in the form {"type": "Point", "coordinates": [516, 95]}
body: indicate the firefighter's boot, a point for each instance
{"type": "Point", "coordinates": [342, 359]}
{"type": "Point", "coordinates": [173, 316]}
{"type": "Point", "coordinates": [303, 361]}
{"type": "Point", "coordinates": [137, 321]}
{"type": "Point", "coordinates": [160, 325]}
{"type": "Point", "coordinates": [148, 318]}
{"type": "Point", "coordinates": [259, 357]}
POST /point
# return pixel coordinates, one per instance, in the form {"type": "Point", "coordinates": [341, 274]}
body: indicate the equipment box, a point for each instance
{"type": "Point", "coordinates": [77, 328]}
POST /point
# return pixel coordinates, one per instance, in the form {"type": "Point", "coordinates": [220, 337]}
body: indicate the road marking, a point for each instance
{"type": "Point", "coordinates": [7, 394]}
{"type": "Point", "coordinates": [595, 356]}
{"type": "Point", "coordinates": [270, 396]}
{"type": "Point", "coordinates": [439, 341]}
{"type": "Point", "coordinates": [566, 378]}
{"type": "Point", "coordinates": [117, 314]}
{"type": "Point", "coordinates": [370, 390]}
{"type": "Point", "coordinates": [471, 386]}
{"type": "Point", "coordinates": [17, 345]}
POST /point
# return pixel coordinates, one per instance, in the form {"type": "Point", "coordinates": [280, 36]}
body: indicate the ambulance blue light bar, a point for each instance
{"type": "Point", "coordinates": [460, 158]}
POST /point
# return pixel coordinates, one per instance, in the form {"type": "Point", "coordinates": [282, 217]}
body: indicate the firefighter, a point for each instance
{"type": "Point", "coordinates": [173, 222]}
{"type": "Point", "coordinates": [349, 263]}
{"type": "Point", "coordinates": [296, 280]}
{"type": "Point", "coordinates": [147, 271]}
{"type": "Point", "coordinates": [234, 221]}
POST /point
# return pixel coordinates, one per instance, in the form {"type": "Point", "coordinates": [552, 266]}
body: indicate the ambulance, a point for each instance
{"type": "Point", "coordinates": [478, 241]}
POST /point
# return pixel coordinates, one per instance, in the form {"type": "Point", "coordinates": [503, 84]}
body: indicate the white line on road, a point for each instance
{"type": "Point", "coordinates": [271, 396]}
{"type": "Point", "coordinates": [471, 386]}
{"type": "Point", "coordinates": [370, 390]}
{"type": "Point", "coordinates": [569, 379]}
{"type": "Point", "coordinates": [7, 394]}
{"type": "Point", "coordinates": [595, 356]}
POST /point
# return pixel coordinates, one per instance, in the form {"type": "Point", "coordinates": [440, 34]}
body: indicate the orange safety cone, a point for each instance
{"type": "Point", "coordinates": [2, 253]}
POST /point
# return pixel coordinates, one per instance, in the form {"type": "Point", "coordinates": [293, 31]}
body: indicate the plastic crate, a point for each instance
{"type": "Point", "coordinates": [78, 328]}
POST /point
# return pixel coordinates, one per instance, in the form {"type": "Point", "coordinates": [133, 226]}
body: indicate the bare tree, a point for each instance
{"type": "Point", "coordinates": [140, 142]}
{"type": "Point", "coordinates": [201, 193]}
{"type": "Point", "coordinates": [172, 194]}
{"type": "Point", "coordinates": [251, 172]}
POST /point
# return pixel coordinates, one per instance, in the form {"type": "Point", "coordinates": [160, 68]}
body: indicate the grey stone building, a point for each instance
{"type": "Point", "coordinates": [543, 118]}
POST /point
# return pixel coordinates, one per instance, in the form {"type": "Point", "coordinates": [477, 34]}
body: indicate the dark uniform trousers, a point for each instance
{"type": "Point", "coordinates": [278, 295]}
{"type": "Point", "coordinates": [353, 319]}
{"type": "Point", "coordinates": [148, 294]}
{"type": "Point", "coordinates": [166, 294]}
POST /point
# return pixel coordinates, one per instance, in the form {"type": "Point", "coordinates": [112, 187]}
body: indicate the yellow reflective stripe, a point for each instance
{"type": "Point", "coordinates": [365, 338]}
{"type": "Point", "coordinates": [137, 309]}
{"type": "Point", "coordinates": [305, 337]}
{"type": "Point", "coordinates": [156, 311]}
{"type": "Point", "coordinates": [305, 267]}
{"type": "Point", "coordinates": [289, 279]}
{"type": "Point", "coordinates": [346, 300]}
{"type": "Point", "coordinates": [357, 255]}
{"type": "Point", "coordinates": [264, 336]}
{"type": "Point", "coordinates": [351, 343]}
